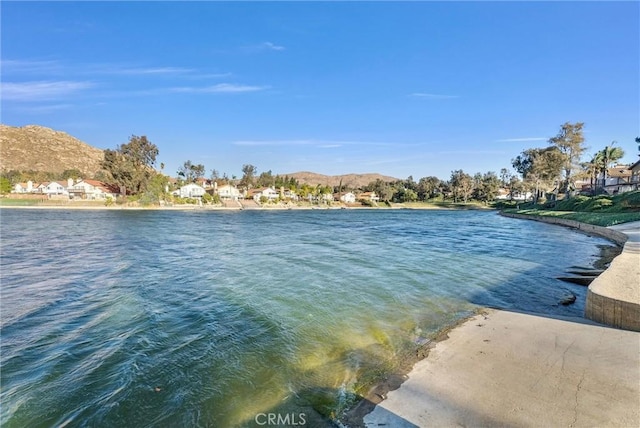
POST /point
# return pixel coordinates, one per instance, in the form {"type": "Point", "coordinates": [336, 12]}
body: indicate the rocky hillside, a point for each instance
{"type": "Point", "coordinates": [38, 148]}
{"type": "Point", "coordinates": [348, 180]}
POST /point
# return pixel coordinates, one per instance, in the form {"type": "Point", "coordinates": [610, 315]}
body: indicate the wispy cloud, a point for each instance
{"type": "Point", "coordinates": [519, 140]}
{"type": "Point", "coordinates": [58, 68]}
{"type": "Point", "coordinates": [219, 88]}
{"type": "Point", "coordinates": [30, 66]}
{"type": "Point", "coordinates": [42, 90]}
{"type": "Point", "coordinates": [146, 70]}
{"type": "Point", "coordinates": [321, 144]}
{"type": "Point", "coordinates": [433, 96]}
{"type": "Point", "coordinates": [272, 46]}
{"type": "Point", "coordinates": [267, 143]}
{"type": "Point", "coordinates": [256, 48]}
{"type": "Point", "coordinates": [43, 109]}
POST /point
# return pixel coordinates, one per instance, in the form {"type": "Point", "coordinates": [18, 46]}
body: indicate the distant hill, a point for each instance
{"type": "Point", "coordinates": [38, 148]}
{"type": "Point", "coordinates": [348, 180]}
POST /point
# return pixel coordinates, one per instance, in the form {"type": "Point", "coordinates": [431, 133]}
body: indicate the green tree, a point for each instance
{"type": "Point", "coordinates": [606, 157]}
{"type": "Point", "coordinates": [505, 177]}
{"type": "Point", "coordinates": [383, 189]}
{"type": "Point", "coordinates": [190, 172]}
{"type": "Point", "coordinates": [487, 187]}
{"type": "Point", "coordinates": [428, 187]}
{"type": "Point", "coordinates": [570, 142]}
{"type": "Point", "coordinates": [266, 179]}
{"type": "Point", "coordinates": [541, 169]}
{"type": "Point", "coordinates": [461, 185]}
{"type": "Point", "coordinates": [71, 173]}
{"type": "Point", "coordinates": [5, 185]}
{"type": "Point", "coordinates": [131, 164]}
{"type": "Point", "coordinates": [248, 176]}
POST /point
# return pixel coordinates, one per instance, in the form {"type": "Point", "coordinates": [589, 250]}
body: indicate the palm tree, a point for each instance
{"type": "Point", "coordinates": [606, 157]}
{"type": "Point", "coordinates": [590, 169]}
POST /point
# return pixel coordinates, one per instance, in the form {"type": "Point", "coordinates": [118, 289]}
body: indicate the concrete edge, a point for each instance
{"type": "Point", "coordinates": [612, 310]}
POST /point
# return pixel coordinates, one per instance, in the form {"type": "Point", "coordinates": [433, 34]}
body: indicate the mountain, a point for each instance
{"type": "Point", "coordinates": [348, 180]}
{"type": "Point", "coordinates": [38, 148]}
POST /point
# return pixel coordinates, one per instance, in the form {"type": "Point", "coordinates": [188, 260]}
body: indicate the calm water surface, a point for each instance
{"type": "Point", "coordinates": [124, 318]}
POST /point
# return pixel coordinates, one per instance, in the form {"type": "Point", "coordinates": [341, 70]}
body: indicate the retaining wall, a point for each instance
{"type": "Point", "coordinates": [614, 296]}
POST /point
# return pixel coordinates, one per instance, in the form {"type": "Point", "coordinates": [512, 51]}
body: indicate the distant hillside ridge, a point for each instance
{"type": "Point", "coordinates": [348, 180]}
{"type": "Point", "coordinates": [37, 148]}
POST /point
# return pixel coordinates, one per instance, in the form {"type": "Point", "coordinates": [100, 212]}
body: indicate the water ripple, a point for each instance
{"type": "Point", "coordinates": [208, 318]}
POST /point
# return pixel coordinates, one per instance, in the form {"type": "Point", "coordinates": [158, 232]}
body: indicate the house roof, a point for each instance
{"type": "Point", "coordinates": [107, 188]}
{"type": "Point", "coordinates": [619, 171]}
{"type": "Point", "coordinates": [635, 167]}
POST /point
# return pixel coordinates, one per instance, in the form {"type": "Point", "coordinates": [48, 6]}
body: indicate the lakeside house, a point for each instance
{"type": "Point", "coordinates": [54, 188]}
{"type": "Point", "coordinates": [619, 179]}
{"type": "Point", "coordinates": [83, 189]}
{"type": "Point", "coordinates": [227, 191]}
{"type": "Point", "coordinates": [369, 196]}
{"type": "Point", "coordinates": [23, 187]}
{"type": "Point", "coordinates": [507, 195]}
{"type": "Point", "coordinates": [347, 198]}
{"type": "Point", "coordinates": [190, 190]}
{"type": "Point", "coordinates": [635, 175]}
{"type": "Point", "coordinates": [92, 189]}
{"type": "Point", "coordinates": [268, 192]}
{"type": "Point", "coordinates": [288, 194]}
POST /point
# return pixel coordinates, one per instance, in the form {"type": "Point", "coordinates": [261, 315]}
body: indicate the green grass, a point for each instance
{"type": "Point", "coordinates": [599, 210]}
{"type": "Point", "coordinates": [596, 218]}
{"type": "Point", "coordinates": [18, 202]}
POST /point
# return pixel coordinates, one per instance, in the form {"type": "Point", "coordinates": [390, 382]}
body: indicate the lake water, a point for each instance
{"type": "Point", "coordinates": [200, 318]}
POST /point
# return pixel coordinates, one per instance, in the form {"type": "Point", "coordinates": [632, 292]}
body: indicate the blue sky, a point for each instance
{"type": "Point", "coordinates": [415, 88]}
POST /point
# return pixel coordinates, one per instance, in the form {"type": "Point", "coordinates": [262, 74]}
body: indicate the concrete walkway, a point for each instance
{"type": "Point", "coordinates": [519, 370]}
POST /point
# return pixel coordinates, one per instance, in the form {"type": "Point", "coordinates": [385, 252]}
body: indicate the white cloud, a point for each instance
{"type": "Point", "coordinates": [273, 143]}
{"type": "Point", "coordinates": [29, 66]}
{"type": "Point", "coordinates": [41, 90]}
{"type": "Point", "coordinates": [219, 88]}
{"type": "Point", "coordinates": [44, 109]}
{"type": "Point", "coordinates": [271, 46]}
{"type": "Point", "coordinates": [519, 140]}
{"type": "Point", "coordinates": [321, 144]}
{"type": "Point", "coordinates": [148, 70]}
{"type": "Point", "coordinates": [433, 96]}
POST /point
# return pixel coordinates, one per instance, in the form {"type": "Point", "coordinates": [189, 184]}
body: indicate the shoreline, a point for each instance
{"type": "Point", "coordinates": [413, 402]}
{"type": "Point", "coordinates": [224, 208]}
{"type": "Point", "coordinates": [502, 368]}
{"type": "Point", "coordinates": [354, 417]}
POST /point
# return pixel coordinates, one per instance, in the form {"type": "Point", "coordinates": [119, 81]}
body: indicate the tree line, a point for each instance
{"type": "Point", "coordinates": [543, 171]}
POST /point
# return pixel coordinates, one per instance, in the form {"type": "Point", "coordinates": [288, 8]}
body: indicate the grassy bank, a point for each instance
{"type": "Point", "coordinates": [18, 202]}
{"type": "Point", "coordinates": [600, 210]}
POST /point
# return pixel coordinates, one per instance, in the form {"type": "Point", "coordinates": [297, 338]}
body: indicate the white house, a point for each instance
{"type": "Point", "coordinates": [92, 189]}
{"type": "Point", "coordinates": [619, 179]}
{"type": "Point", "coordinates": [54, 188]}
{"type": "Point", "coordinates": [369, 196]}
{"type": "Point", "coordinates": [268, 192]}
{"type": "Point", "coordinates": [190, 190]}
{"type": "Point", "coordinates": [507, 195]}
{"type": "Point", "coordinates": [228, 191]}
{"type": "Point", "coordinates": [289, 194]}
{"type": "Point", "coordinates": [347, 198]}
{"type": "Point", "coordinates": [23, 187]}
